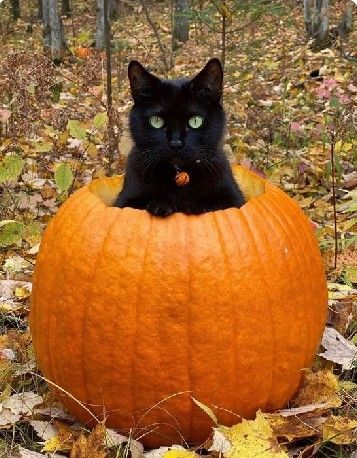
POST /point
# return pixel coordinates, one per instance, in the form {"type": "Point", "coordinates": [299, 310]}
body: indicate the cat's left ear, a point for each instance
{"type": "Point", "coordinates": [208, 83]}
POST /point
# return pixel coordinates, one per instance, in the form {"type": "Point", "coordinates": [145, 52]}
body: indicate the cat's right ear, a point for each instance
{"type": "Point", "coordinates": [143, 84]}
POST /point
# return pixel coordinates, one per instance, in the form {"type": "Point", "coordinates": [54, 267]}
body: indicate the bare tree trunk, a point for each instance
{"type": "Point", "coordinates": [46, 25]}
{"type": "Point", "coordinates": [113, 9]}
{"type": "Point", "coordinates": [40, 9]}
{"type": "Point", "coordinates": [15, 9]}
{"type": "Point", "coordinates": [57, 34]}
{"type": "Point", "coordinates": [100, 28]}
{"type": "Point", "coordinates": [346, 24]}
{"type": "Point", "coordinates": [181, 22]}
{"type": "Point", "coordinates": [316, 19]}
{"type": "Point", "coordinates": [66, 7]}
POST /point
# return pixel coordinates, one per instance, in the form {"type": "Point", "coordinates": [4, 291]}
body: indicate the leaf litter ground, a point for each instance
{"type": "Point", "coordinates": [285, 105]}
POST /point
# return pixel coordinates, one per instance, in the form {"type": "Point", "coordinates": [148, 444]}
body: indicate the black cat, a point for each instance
{"type": "Point", "coordinates": [177, 163]}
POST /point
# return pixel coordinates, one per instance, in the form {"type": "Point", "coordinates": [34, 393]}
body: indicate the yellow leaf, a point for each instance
{"type": "Point", "coordinates": [63, 441]}
{"type": "Point", "coordinates": [319, 387]}
{"type": "Point", "coordinates": [55, 444]}
{"type": "Point", "coordinates": [253, 438]}
{"type": "Point", "coordinates": [22, 293]}
{"type": "Point", "coordinates": [340, 430]}
{"type": "Point", "coordinates": [179, 454]}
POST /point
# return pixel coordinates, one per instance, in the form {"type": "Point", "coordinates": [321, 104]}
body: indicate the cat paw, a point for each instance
{"type": "Point", "coordinates": [158, 208]}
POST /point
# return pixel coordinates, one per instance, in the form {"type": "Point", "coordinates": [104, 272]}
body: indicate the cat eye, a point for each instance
{"type": "Point", "coordinates": [156, 122]}
{"type": "Point", "coordinates": [195, 122]}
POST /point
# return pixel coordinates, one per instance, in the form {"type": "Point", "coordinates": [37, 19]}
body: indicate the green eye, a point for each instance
{"type": "Point", "coordinates": [195, 122]}
{"type": "Point", "coordinates": [156, 122]}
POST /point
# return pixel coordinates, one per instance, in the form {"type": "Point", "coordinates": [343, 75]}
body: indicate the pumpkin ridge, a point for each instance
{"type": "Point", "coordinates": [189, 322]}
{"type": "Point", "coordinates": [314, 248]}
{"type": "Point", "coordinates": [39, 259]}
{"type": "Point", "coordinates": [52, 346]}
{"type": "Point", "coordinates": [135, 333]}
{"type": "Point", "coordinates": [84, 339]}
{"type": "Point", "coordinates": [272, 328]}
{"type": "Point", "coordinates": [288, 228]}
{"type": "Point", "coordinates": [235, 324]}
{"type": "Point", "coordinates": [229, 276]}
{"type": "Point", "coordinates": [274, 221]}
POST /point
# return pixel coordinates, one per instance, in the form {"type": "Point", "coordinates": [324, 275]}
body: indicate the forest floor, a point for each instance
{"type": "Point", "coordinates": [290, 116]}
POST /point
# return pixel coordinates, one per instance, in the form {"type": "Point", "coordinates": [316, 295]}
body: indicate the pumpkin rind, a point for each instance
{"type": "Point", "coordinates": [129, 309]}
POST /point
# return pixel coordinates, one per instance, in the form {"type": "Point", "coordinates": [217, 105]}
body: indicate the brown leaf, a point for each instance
{"type": "Point", "coordinates": [296, 427]}
{"type": "Point", "coordinates": [90, 446]}
{"type": "Point", "coordinates": [319, 387]}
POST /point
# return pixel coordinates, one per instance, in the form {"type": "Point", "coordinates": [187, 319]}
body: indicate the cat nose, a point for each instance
{"type": "Point", "coordinates": [175, 143]}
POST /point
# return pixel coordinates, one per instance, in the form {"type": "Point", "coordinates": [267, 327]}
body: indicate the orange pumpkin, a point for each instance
{"type": "Point", "coordinates": [82, 52]}
{"type": "Point", "coordinates": [133, 314]}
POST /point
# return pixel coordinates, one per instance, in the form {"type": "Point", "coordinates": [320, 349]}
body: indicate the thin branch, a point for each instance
{"type": "Point", "coordinates": [153, 26]}
{"type": "Point", "coordinates": [333, 175]}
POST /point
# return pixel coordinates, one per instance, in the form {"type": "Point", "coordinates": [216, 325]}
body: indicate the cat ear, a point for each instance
{"type": "Point", "coordinates": [142, 82]}
{"type": "Point", "coordinates": [209, 82]}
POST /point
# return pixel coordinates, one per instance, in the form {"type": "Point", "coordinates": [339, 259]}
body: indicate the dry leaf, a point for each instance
{"type": "Point", "coordinates": [160, 452]}
{"type": "Point", "coordinates": [340, 430]}
{"type": "Point", "coordinates": [220, 443]}
{"type": "Point", "coordinates": [297, 427]}
{"type": "Point", "coordinates": [44, 429]}
{"type": "Point", "coordinates": [23, 403]}
{"type": "Point", "coordinates": [319, 387]}
{"type": "Point", "coordinates": [303, 409]}
{"type": "Point", "coordinates": [7, 418]}
{"type": "Point", "coordinates": [24, 453]}
{"type": "Point", "coordinates": [64, 439]}
{"type": "Point", "coordinates": [112, 438]}
{"type": "Point", "coordinates": [90, 446]}
{"type": "Point", "coordinates": [252, 438]}
{"type": "Point", "coordinates": [180, 454]}
{"type": "Point", "coordinates": [338, 349]}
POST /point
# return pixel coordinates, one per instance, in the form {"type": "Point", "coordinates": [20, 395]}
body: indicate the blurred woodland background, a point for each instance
{"type": "Point", "coordinates": [290, 95]}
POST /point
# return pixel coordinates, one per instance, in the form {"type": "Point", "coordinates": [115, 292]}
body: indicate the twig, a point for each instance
{"type": "Point", "coordinates": [153, 26]}
{"type": "Point", "coordinates": [332, 152]}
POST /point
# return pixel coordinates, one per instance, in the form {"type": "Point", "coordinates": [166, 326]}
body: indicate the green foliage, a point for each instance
{"type": "Point", "coordinates": [100, 120]}
{"type": "Point", "coordinates": [11, 232]}
{"type": "Point", "coordinates": [43, 147]}
{"type": "Point", "coordinates": [63, 177]}
{"type": "Point", "coordinates": [11, 167]}
{"type": "Point", "coordinates": [76, 129]}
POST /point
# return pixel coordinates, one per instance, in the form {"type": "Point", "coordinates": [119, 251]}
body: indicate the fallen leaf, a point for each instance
{"type": "Point", "coordinates": [180, 454]}
{"type": "Point", "coordinates": [7, 418]}
{"type": "Point", "coordinates": [338, 349]}
{"type": "Point", "coordinates": [319, 387]}
{"type": "Point", "coordinates": [252, 438]}
{"type": "Point", "coordinates": [220, 443]}
{"type": "Point", "coordinates": [160, 452]}
{"type": "Point", "coordinates": [90, 446]}
{"type": "Point", "coordinates": [24, 453]}
{"type": "Point", "coordinates": [23, 403]}
{"type": "Point", "coordinates": [303, 409]}
{"type": "Point", "coordinates": [64, 439]}
{"type": "Point", "coordinates": [44, 429]}
{"type": "Point", "coordinates": [297, 427]}
{"type": "Point", "coordinates": [340, 430]}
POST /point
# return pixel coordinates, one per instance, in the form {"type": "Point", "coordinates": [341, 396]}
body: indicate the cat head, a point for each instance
{"type": "Point", "coordinates": [180, 118]}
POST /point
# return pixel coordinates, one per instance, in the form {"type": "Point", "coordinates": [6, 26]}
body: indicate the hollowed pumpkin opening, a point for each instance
{"type": "Point", "coordinates": [107, 188]}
